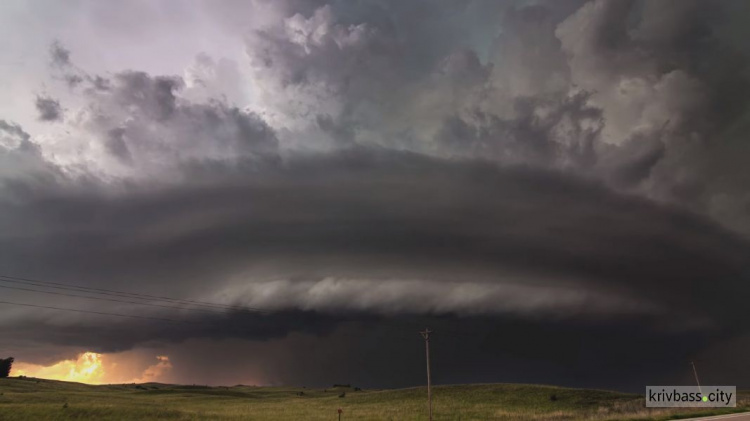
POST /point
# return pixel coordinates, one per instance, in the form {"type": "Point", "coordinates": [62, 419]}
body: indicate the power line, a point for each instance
{"type": "Point", "coordinates": [95, 312]}
{"type": "Point", "coordinates": [115, 293]}
{"type": "Point", "coordinates": [111, 300]}
{"type": "Point", "coordinates": [130, 316]}
{"type": "Point", "coordinates": [209, 307]}
{"type": "Point", "coordinates": [103, 291]}
{"type": "Point", "coordinates": [400, 332]}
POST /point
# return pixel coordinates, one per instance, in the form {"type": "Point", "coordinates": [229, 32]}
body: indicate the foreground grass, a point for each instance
{"type": "Point", "coordinates": [37, 399]}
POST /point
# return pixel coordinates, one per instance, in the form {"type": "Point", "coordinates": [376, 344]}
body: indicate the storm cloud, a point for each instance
{"type": "Point", "coordinates": [534, 172]}
{"type": "Point", "coordinates": [49, 108]}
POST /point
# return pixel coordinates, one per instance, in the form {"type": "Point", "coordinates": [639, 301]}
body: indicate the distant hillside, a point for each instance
{"type": "Point", "coordinates": [37, 399]}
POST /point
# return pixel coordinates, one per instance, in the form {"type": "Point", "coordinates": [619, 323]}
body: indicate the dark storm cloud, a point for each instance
{"type": "Point", "coordinates": [107, 335]}
{"type": "Point", "coordinates": [674, 59]}
{"type": "Point", "coordinates": [390, 216]}
{"type": "Point", "coordinates": [49, 108]}
{"type": "Point", "coordinates": [601, 80]}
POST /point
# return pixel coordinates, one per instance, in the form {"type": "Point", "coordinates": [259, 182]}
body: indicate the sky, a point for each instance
{"type": "Point", "coordinates": [285, 192]}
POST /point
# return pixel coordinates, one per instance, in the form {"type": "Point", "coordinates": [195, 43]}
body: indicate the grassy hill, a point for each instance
{"type": "Point", "coordinates": [37, 399]}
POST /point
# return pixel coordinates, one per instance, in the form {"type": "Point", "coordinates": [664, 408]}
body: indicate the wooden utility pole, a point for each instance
{"type": "Point", "coordinates": [426, 336]}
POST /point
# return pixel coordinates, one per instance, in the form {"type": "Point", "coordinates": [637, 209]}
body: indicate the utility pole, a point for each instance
{"type": "Point", "coordinates": [695, 372]}
{"type": "Point", "coordinates": [426, 335]}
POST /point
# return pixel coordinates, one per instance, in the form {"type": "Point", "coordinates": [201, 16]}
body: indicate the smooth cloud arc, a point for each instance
{"type": "Point", "coordinates": [376, 216]}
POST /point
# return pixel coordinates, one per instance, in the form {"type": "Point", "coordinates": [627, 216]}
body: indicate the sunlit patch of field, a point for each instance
{"type": "Point", "coordinates": [37, 399]}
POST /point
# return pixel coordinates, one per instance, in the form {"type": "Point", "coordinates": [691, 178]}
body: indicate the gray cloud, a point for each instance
{"type": "Point", "coordinates": [63, 67]}
{"type": "Point", "coordinates": [15, 133]}
{"type": "Point", "coordinates": [116, 145]}
{"type": "Point", "coordinates": [60, 55]}
{"type": "Point", "coordinates": [49, 108]}
{"type": "Point", "coordinates": [23, 169]}
{"type": "Point", "coordinates": [384, 217]}
{"type": "Point", "coordinates": [636, 85]}
{"type": "Point", "coordinates": [135, 124]}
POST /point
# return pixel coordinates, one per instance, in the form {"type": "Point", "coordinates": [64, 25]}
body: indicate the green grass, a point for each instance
{"type": "Point", "coordinates": [37, 399]}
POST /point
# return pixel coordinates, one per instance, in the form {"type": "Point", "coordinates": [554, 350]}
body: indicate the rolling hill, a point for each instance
{"type": "Point", "coordinates": [39, 399]}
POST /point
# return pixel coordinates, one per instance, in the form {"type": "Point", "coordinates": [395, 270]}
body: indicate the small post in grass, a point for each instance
{"type": "Point", "coordinates": [340, 411]}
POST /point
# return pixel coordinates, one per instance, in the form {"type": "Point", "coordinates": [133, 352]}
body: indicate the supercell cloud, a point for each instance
{"type": "Point", "coordinates": [556, 187]}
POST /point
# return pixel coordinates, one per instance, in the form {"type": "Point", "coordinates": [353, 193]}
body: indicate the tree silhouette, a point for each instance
{"type": "Point", "coordinates": [5, 366]}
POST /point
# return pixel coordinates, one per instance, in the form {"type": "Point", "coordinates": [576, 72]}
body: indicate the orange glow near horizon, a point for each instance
{"type": "Point", "coordinates": [94, 368]}
{"type": "Point", "coordinates": [88, 368]}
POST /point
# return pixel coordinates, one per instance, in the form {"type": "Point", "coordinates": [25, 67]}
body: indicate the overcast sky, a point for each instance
{"type": "Point", "coordinates": [557, 188]}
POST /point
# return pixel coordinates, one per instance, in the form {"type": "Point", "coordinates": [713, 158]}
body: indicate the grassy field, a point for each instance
{"type": "Point", "coordinates": [37, 399]}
